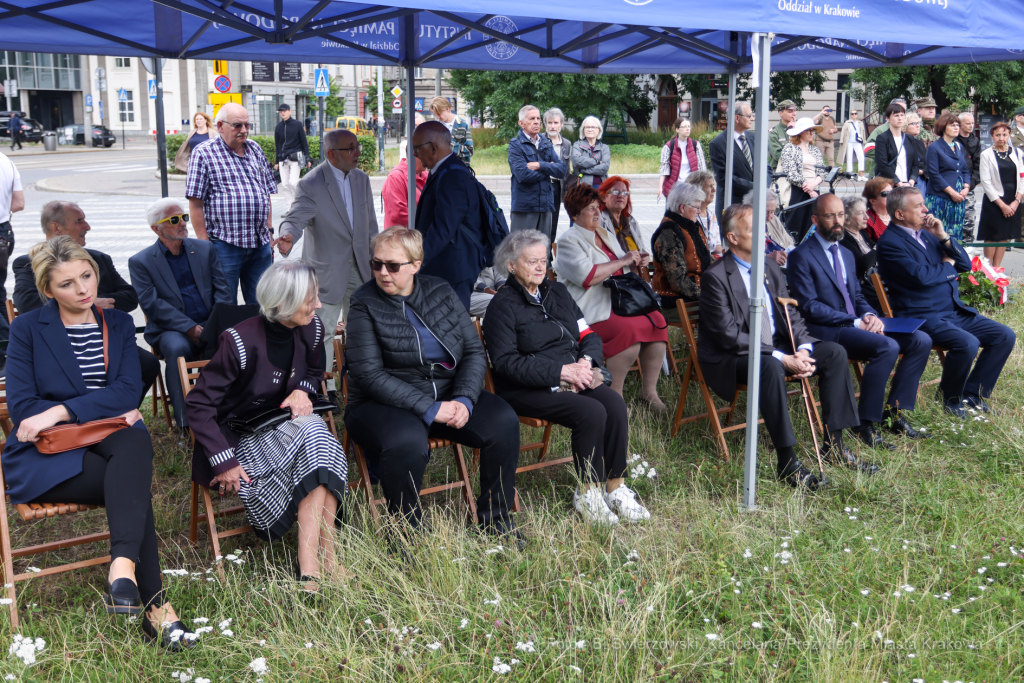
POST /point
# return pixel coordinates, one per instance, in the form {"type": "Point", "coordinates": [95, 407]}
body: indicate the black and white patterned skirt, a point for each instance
{"type": "Point", "coordinates": [285, 465]}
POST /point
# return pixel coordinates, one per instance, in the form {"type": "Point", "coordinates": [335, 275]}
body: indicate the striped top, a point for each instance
{"type": "Point", "coordinates": [87, 343]}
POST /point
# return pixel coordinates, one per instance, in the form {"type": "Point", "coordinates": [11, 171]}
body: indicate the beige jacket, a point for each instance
{"type": "Point", "coordinates": [577, 254]}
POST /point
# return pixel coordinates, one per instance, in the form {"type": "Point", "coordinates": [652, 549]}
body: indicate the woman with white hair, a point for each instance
{"type": "Point", "coordinates": [591, 158]}
{"type": "Point", "coordinates": [681, 251]}
{"type": "Point", "coordinates": [296, 469]}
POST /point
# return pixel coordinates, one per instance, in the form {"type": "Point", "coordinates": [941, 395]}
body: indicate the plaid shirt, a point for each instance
{"type": "Point", "coordinates": [235, 191]}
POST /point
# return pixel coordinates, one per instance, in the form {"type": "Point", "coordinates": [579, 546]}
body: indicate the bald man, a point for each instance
{"type": "Point", "coordinates": [448, 212]}
{"type": "Point", "coordinates": [228, 187]}
{"type": "Point", "coordinates": [333, 210]}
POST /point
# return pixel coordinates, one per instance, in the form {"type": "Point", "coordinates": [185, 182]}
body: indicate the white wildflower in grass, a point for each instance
{"type": "Point", "coordinates": [495, 549]}
{"type": "Point", "coordinates": [224, 624]}
{"type": "Point", "coordinates": [908, 588]}
{"type": "Point", "coordinates": [203, 629]}
{"type": "Point", "coordinates": [911, 655]}
{"type": "Point", "coordinates": [747, 554]}
{"type": "Point", "coordinates": [756, 624]}
{"type": "Point", "coordinates": [202, 680]}
{"type": "Point", "coordinates": [847, 550]}
{"type": "Point", "coordinates": [6, 601]}
{"type": "Point", "coordinates": [228, 633]}
{"type": "Point", "coordinates": [868, 538]}
{"type": "Point", "coordinates": [176, 572]}
{"type": "Point", "coordinates": [784, 544]}
{"type": "Point", "coordinates": [650, 608]}
{"type": "Point", "coordinates": [368, 622]}
{"type": "Point", "coordinates": [855, 625]}
{"type": "Point", "coordinates": [957, 610]}
{"type": "Point", "coordinates": [10, 677]}
{"type": "Point", "coordinates": [711, 636]}
{"type": "Point", "coordinates": [576, 669]}
{"type": "Point", "coordinates": [495, 601]}
{"type": "Point", "coordinates": [581, 645]}
{"type": "Point", "coordinates": [464, 624]}
{"type": "Point", "coordinates": [526, 647]}
{"type": "Point", "coordinates": [25, 649]}
{"type": "Point", "coordinates": [736, 591]}
{"type": "Point", "coordinates": [231, 558]}
{"type": "Point", "coordinates": [652, 473]}
{"type": "Point", "coordinates": [896, 594]}
{"type": "Point", "coordinates": [865, 592]}
{"type": "Point", "coordinates": [982, 570]}
{"type": "Point", "coordinates": [34, 570]}
{"type": "Point", "coordinates": [847, 509]}
{"type": "Point", "coordinates": [201, 620]}
{"type": "Point", "coordinates": [434, 647]}
{"type": "Point", "coordinates": [309, 646]}
{"type": "Point", "coordinates": [1001, 564]}
{"type": "Point", "coordinates": [458, 559]}
{"type": "Point", "coordinates": [499, 667]}
{"type": "Point", "coordinates": [784, 557]}
{"type": "Point", "coordinates": [981, 588]}
{"type": "Point", "coordinates": [853, 517]}
{"type": "Point", "coordinates": [633, 458]}
{"type": "Point", "coordinates": [259, 666]}
{"type": "Point", "coordinates": [633, 556]}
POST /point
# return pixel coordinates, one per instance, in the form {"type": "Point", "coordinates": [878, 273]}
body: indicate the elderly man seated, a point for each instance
{"type": "Point", "coordinates": [67, 218]}
{"type": "Point", "coordinates": [179, 281]}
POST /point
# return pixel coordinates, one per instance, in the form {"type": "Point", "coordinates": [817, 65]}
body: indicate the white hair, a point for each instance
{"type": "Point", "coordinates": [770, 196]}
{"type": "Point", "coordinates": [157, 211]}
{"type": "Point", "coordinates": [737, 109]}
{"type": "Point", "coordinates": [512, 247]}
{"type": "Point", "coordinates": [525, 109]}
{"type": "Point", "coordinates": [684, 193]}
{"type": "Point", "coordinates": [284, 288]}
{"type": "Point", "coordinates": [553, 112]}
{"type": "Point", "coordinates": [588, 120]}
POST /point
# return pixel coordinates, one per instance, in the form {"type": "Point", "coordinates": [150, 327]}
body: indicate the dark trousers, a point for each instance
{"type": "Point", "coordinates": [464, 291]}
{"type": "Point", "coordinates": [150, 371]}
{"type": "Point", "coordinates": [171, 345]}
{"type": "Point", "coordinates": [961, 335]}
{"type": "Point", "coordinates": [394, 441]}
{"type": "Point", "coordinates": [881, 353]}
{"type": "Point", "coordinates": [6, 247]}
{"type": "Point", "coordinates": [118, 473]}
{"type": "Point", "coordinates": [835, 388]}
{"type": "Point", "coordinates": [15, 139]}
{"type": "Point", "coordinates": [599, 424]}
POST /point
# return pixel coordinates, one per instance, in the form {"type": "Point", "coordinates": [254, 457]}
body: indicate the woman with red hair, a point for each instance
{"type": "Point", "coordinates": [617, 218]}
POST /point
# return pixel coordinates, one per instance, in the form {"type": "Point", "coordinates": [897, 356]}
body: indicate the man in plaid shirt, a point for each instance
{"type": "Point", "coordinates": [228, 188]}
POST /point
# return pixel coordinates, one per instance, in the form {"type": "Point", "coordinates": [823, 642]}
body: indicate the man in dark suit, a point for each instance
{"type": "Point", "coordinates": [178, 281]}
{"type": "Point", "coordinates": [723, 345]}
{"type": "Point", "coordinates": [823, 278]}
{"type": "Point", "coordinates": [742, 162]}
{"type": "Point", "coordinates": [920, 263]}
{"type": "Point", "coordinates": [67, 218]}
{"type": "Point", "coordinates": [448, 213]}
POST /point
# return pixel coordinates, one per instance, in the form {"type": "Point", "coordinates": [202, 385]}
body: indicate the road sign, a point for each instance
{"type": "Point", "coordinates": [418, 105]}
{"type": "Point", "coordinates": [396, 91]}
{"type": "Point", "coordinates": [222, 84]}
{"type": "Point", "coordinates": [218, 100]}
{"type": "Point", "coordinates": [220, 67]}
{"type": "Point", "coordinates": [101, 111]}
{"type": "Point", "coordinates": [152, 89]}
{"type": "Point", "coordinates": [122, 95]}
{"type": "Point", "coordinates": [397, 103]}
{"type": "Point", "coordinates": [88, 100]}
{"type": "Point", "coordinates": [322, 83]}
{"type": "Point", "coordinates": [150, 63]}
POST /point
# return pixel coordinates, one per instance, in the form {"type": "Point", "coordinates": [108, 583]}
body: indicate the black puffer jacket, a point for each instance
{"type": "Point", "coordinates": [383, 353]}
{"type": "Point", "coordinates": [529, 342]}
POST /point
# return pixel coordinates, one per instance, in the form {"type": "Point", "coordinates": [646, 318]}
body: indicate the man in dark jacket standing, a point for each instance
{"type": "Point", "coordinates": [742, 159]}
{"type": "Point", "coordinates": [292, 153]}
{"type": "Point", "coordinates": [534, 162]}
{"type": "Point", "coordinates": [972, 150]}
{"type": "Point", "coordinates": [14, 127]}
{"type": "Point", "coordinates": [449, 214]}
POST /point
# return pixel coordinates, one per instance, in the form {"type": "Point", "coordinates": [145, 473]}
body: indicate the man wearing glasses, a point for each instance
{"type": "Point", "coordinates": [179, 281]}
{"type": "Point", "coordinates": [228, 187]}
{"type": "Point", "coordinates": [742, 162]}
{"type": "Point", "coordinates": [333, 209]}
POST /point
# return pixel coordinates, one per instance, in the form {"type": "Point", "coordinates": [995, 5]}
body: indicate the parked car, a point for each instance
{"type": "Point", "coordinates": [352, 123]}
{"type": "Point", "coordinates": [101, 135]}
{"type": "Point", "coordinates": [31, 130]}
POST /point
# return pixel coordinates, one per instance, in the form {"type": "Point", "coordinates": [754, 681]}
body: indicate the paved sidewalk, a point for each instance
{"type": "Point", "coordinates": [36, 149]}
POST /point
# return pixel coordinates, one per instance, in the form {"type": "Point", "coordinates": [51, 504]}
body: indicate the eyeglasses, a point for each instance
{"type": "Point", "coordinates": [416, 147]}
{"type": "Point", "coordinates": [831, 216]}
{"type": "Point", "coordinates": [173, 220]}
{"type": "Point", "coordinates": [884, 193]}
{"type": "Point", "coordinates": [355, 148]}
{"type": "Point", "coordinates": [239, 126]}
{"type": "Point", "coordinates": [376, 265]}
{"type": "Point", "coordinates": [619, 193]}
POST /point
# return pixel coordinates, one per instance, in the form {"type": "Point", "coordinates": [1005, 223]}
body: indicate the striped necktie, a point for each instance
{"type": "Point", "coordinates": [746, 150]}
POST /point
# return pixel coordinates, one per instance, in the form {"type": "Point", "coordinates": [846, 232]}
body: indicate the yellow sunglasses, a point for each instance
{"type": "Point", "coordinates": [174, 219]}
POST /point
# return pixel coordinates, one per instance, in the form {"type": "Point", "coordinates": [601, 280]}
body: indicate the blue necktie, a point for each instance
{"type": "Point", "coordinates": [837, 263]}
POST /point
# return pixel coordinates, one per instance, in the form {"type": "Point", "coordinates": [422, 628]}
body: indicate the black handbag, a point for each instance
{"type": "Point", "coordinates": [631, 296]}
{"type": "Point", "coordinates": [270, 419]}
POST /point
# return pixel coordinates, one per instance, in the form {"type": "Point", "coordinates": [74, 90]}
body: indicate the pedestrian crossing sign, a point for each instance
{"type": "Point", "coordinates": [322, 83]}
{"type": "Point", "coordinates": [122, 95]}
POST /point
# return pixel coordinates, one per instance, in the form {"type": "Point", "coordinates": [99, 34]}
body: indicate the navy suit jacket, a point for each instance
{"type": "Point", "coordinates": [448, 215]}
{"type": "Point", "coordinates": [159, 295]}
{"type": "Point", "coordinates": [813, 283]}
{"type": "Point", "coordinates": [920, 284]}
{"type": "Point", "coordinates": [42, 372]}
{"type": "Point", "coordinates": [944, 166]}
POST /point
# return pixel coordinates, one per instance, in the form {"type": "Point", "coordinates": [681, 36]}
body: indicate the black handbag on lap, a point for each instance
{"type": "Point", "coordinates": [631, 296]}
{"type": "Point", "coordinates": [270, 419]}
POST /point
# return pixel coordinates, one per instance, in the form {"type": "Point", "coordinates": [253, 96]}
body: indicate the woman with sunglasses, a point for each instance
{"type": "Point", "coordinates": [876, 191]}
{"type": "Point", "coordinates": [617, 218]}
{"type": "Point", "coordinates": [416, 371]}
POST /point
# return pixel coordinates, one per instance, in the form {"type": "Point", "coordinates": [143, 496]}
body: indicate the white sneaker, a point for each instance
{"type": "Point", "coordinates": [622, 501]}
{"type": "Point", "coordinates": [592, 506]}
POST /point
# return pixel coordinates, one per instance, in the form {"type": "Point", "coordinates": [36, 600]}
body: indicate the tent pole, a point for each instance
{"type": "Point", "coordinates": [161, 132]}
{"type": "Point", "coordinates": [757, 269]}
{"type": "Point", "coordinates": [730, 149]}
{"type": "Point", "coordinates": [410, 114]}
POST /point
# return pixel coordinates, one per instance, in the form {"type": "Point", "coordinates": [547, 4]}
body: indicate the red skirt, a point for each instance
{"type": "Point", "coordinates": [619, 333]}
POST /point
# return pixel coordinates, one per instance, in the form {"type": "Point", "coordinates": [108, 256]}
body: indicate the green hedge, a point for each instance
{"type": "Point", "coordinates": [367, 159]}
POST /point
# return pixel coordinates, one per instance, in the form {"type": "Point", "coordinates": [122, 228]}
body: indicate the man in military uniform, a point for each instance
{"type": "Point", "coordinates": [777, 138]}
{"type": "Point", "coordinates": [1017, 128]}
{"type": "Point", "coordinates": [926, 108]}
{"type": "Point", "coordinates": [825, 139]}
{"type": "Point", "coordinates": [869, 145]}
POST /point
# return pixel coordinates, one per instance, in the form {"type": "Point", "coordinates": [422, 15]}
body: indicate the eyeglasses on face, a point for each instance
{"type": "Point", "coordinates": [619, 193]}
{"type": "Point", "coordinates": [831, 216]}
{"type": "Point", "coordinates": [238, 126]}
{"type": "Point", "coordinates": [376, 265]}
{"type": "Point", "coordinates": [416, 147]}
{"type": "Point", "coordinates": [354, 148]}
{"type": "Point", "coordinates": [884, 193]}
{"type": "Point", "coordinates": [173, 220]}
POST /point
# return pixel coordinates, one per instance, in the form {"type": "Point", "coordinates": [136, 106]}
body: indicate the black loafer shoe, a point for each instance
{"type": "Point", "coordinates": [953, 406]}
{"type": "Point", "coordinates": [174, 637]}
{"type": "Point", "coordinates": [797, 476]}
{"type": "Point", "coordinates": [872, 437]}
{"type": "Point", "coordinates": [847, 458]}
{"type": "Point", "coordinates": [900, 425]}
{"type": "Point", "coordinates": [122, 597]}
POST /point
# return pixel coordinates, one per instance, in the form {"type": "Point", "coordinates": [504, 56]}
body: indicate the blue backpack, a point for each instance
{"type": "Point", "coordinates": [494, 227]}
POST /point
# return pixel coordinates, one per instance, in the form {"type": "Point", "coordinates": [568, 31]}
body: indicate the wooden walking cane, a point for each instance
{"type": "Point", "coordinates": [805, 386]}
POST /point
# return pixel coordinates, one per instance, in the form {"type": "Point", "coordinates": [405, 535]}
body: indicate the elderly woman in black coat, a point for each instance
{"type": "Point", "coordinates": [296, 469]}
{"type": "Point", "coordinates": [548, 365]}
{"type": "Point", "coordinates": [416, 370]}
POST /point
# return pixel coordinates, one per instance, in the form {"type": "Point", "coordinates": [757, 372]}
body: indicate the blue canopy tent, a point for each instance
{"type": "Point", "coordinates": [631, 37]}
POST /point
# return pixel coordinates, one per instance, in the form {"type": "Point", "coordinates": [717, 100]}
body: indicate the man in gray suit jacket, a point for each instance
{"type": "Point", "coordinates": [333, 210]}
{"type": "Point", "coordinates": [178, 281]}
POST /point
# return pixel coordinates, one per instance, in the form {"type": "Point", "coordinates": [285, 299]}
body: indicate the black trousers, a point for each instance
{"type": "Point", "coordinates": [962, 334]}
{"type": "Point", "coordinates": [150, 371]}
{"type": "Point", "coordinates": [6, 248]}
{"type": "Point", "coordinates": [118, 473]}
{"type": "Point", "coordinates": [599, 424]}
{"type": "Point", "coordinates": [395, 443]}
{"type": "Point", "coordinates": [835, 388]}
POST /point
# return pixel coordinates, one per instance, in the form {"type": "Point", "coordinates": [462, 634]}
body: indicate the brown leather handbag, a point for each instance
{"type": "Point", "coordinates": [68, 437]}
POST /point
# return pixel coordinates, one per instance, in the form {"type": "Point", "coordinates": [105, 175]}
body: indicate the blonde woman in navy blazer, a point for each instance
{"type": "Point", "coordinates": [55, 375]}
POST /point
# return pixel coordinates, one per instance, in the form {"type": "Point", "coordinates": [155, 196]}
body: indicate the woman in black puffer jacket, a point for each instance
{"type": "Point", "coordinates": [548, 365]}
{"type": "Point", "coordinates": [416, 370]}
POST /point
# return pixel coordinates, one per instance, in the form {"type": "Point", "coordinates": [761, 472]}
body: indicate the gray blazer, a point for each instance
{"type": "Point", "coordinates": [592, 162]}
{"type": "Point", "coordinates": [159, 296]}
{"type": "Point", "coordinates": [332, 245]}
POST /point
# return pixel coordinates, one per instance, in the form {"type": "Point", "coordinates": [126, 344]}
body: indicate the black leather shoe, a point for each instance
{"type": "Point", "coordinates": [507, 532]}
{"type": "Point", "coordinates": [976, 402]}
{"type": "Point", "coordinates": [174, 637]}
{"type": "Point", "coordinates": [872, 437]}
{"type": "Point", "coordinates": [954, 407]}
{"type": "Point", "coordinates": [900, 425]}
{"type": "Point", "coordinates": [844, 457]}
{"type": "Point", "coordinates": [122, 597]}
{"type": "Point", "coordinates": [796, 475]}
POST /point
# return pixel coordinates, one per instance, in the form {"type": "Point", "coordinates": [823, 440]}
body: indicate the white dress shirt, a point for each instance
{"type": "Point", "coordinates": [345, 185]}
{"type": "Point", "coordinates": [10, 182]}
{"type": "Point", "coordinates": [745, 275]}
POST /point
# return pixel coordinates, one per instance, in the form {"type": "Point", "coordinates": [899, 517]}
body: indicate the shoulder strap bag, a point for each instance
{"type": "Point", "coordinates": [631, 296]}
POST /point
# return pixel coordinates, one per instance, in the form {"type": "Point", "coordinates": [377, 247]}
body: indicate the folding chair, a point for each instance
{"type": "Point", "coordinates": [883, 302]}
{"type": "Point", "coordinates": [688, 314]}
{"type": "Point", "coordinates": [12, 312]}
{"type": "Point", "coordinates": [37, 511]}
{"type": "Point", "coordinates": [160, 395]}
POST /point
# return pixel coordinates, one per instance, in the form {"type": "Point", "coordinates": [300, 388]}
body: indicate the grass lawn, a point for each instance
{"type": "Point", "coordinates": [626, 160]}
{"type": "Point", "coordinates": [915, 573]}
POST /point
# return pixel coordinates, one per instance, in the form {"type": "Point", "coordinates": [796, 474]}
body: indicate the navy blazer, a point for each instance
{"type": "Point", "coordinates": [920, 284]}
{"type": "Point", "coordinates": [531, 190]}
{"type": "Point", "coordinates": [159, 295]}
{"type": "Point", "coordinates": [813, 283]}
{"type": "Point", "coordinates": [448, 215]}
{"type": "Point", "coordinates": [42, 372]}
{"type": "Point", "coordinates": [943, 166]}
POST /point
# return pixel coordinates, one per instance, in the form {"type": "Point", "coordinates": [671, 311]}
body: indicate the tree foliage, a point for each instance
{"type": "Point", "coordinates": [785, 85]}
{"type": "Point", "coordinates": [371, 99]}
{"type": "Point", "coordinates": [334, 106]}
{"type": "Point", "coordinates": [993, 87]}
{"type": "Point", "coordinates": [497, 96]}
